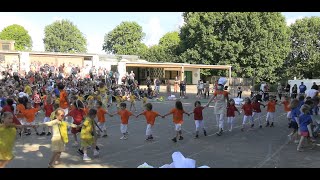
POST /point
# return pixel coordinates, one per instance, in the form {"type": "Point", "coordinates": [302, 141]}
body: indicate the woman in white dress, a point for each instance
{"type": "Point", "coordinates": [221, 98]}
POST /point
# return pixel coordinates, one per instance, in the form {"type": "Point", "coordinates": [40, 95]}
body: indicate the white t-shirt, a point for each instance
{"type": "Point", "coordinates": [311, 93]}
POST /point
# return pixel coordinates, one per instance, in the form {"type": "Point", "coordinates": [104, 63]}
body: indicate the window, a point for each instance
{"type": "Point", "coordinates": [6, 47]}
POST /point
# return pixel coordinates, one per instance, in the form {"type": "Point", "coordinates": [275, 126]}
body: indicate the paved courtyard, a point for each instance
{"type": "Point", "coordinates": [266, 147]}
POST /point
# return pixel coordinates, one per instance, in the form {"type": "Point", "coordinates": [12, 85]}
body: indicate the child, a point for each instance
{"type": "Point", "coordinates": [88, 135]}
{"type": "Point", "coordinates": [304, 121]}
{"type": "Point", "coordinates": [286, 105]}
{"type": "Point", "coordinates": [133, 102]}
{"type": "Point", "coordinates": [231, 109]}
{"type": "Point", "coordinates": [247, 108]}
{"type": "Point", "coordinates": [198, 118]}
{"type": "Point", "coordinates": [124, 114]}
{"type": "Point", "coordinates": [177, 113]}
{"type": "Point", "coordinates": [144, 100]}
{"type": "Point", "coordinates": [168, 88]}
{"type": "Point", "coordinates": [295, 113]}
{"type": "Point", "coordinates": [30, 114]}
{"type": "Point", "coordinates": [150, 117]}
{"type": "Point", "coordinates": [36, 99]}
{"type": "Point", "coordinates": [19, 109]}
{"type": "Point", "coordinates": [101, 119]}
{"type": "Point", "coordinates": [78, 115]}
{"type": "Point", "coordinates": [257, 110]}
{"type": "Point", "coordinates": [48, 109]}
{"type": "Point", "coordinates": [59, 136]}
{"type": "Point", "coordinates": [271, 109]}
{"type": "Point", "coordinates": [7, 138]}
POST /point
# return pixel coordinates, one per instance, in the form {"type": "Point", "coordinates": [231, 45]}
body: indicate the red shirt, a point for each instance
{"type": "Point", "coordinates": [77, 115]}
{"type": "Point", "coordinates": [7, 108]}
{"type": "Point", "coordinates": [231, 109]}
{"type": "Point", "coordinates": [48, 109]}
{"type": "Point", "coordinates": [124, 114]}
{"type": "Point", "coordinates": [198, 113]}
{"type": "Point", "coordinates": [256, 107]}
{"type": "Point", "coordinates": [150, 116]}
{"type": "Point", "coordinates": [247, 108]}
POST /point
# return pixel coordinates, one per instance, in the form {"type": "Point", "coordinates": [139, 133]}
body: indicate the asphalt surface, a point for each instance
{"type": "Point", "coordinates": [267, 147]}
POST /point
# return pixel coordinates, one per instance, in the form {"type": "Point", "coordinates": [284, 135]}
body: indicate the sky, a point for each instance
{"type": "Point", "coordinates": [94, 25]}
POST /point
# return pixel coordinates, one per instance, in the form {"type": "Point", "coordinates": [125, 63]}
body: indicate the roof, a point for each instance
{"type": "Point", "coordinates": [175, 65]}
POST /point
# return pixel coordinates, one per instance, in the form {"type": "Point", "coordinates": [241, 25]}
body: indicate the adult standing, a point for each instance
{"type": "Point", "coordinates": [279, 89]}
{"type": "Point", "coordinates": [315, 86]}
{"type": "Point", "coordinates": [148, 82]}
{"type": "Point", "coordinates": [116, 76]}
{"type": "Point", "coordinates": [287, 89]}
{"type": "Point", "coordinates": [302, 89]}
{"type": "Point", "coordinates": [221, 98]}
{"type": "Point", "coordinates": [294, 91]}
{"type": "Point", "coordinates": [239, 92]}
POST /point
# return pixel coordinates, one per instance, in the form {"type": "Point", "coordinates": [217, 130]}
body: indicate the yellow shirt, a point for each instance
{"type": "Point", "coordinates": [132, 98]}
{"type": "Point", "coordinates": [102, 90]}
{"type": "Point", "coordinates": [7, 140]}
{"type": "Point", "coordinates": [28, 90]}
{"type": "Point", "coordinates": [80, 98]}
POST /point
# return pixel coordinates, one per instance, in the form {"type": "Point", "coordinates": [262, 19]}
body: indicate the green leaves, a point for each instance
{"type": "Point", "coordinates": [64, 36]}
{"type": "Point", "coordinates": [20, 35]}
{"type": "Point", "coordinates": [254, 43]}
{"type": "Point", "coordinates": [125, 39]}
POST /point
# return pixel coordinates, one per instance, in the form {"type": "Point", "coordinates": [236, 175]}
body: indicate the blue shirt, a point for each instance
{"type": "Point", "coordinates": [302, 88]}
{"type": "Point", "coordinates": [57, 92]}
{"type": "Point", "coordinates": [300, 104]}
{"type": "Point", "coordinates": [304, 121]}
{"type": "Point", "coordinates": [295, 113]}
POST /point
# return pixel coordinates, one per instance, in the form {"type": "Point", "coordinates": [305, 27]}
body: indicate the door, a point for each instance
{"type": "Point", "coordinates": [188, 75]}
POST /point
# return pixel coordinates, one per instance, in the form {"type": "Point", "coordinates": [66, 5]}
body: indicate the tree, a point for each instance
{"type": "Point", "coordinates": [64, 36]}
{"type": "Point", "coordinates": [303, 59]}
{"type": "Point", "coordinates": [254, 43]}
{"type": "Point", "coordinates": [166, 51]}
{"type": "Point", "coordinates": [19, 34]}
{"type": "Point", "coordinates": [125, 39]}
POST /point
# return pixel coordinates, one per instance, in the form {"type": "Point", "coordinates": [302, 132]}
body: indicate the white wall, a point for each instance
{"type": "Point", "coordinates": [25, 61]}
{"type": "Point", "coordinates": [195, 74]}
{"type": "Point", "coordinates": [307, 82]}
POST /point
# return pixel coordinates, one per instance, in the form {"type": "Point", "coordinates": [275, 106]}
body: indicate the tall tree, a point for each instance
{"type": "Point", "coordinates": [254, 43]}
{"type": "Point", "coordinates": [303, 59]}
{"type": "Point", "coordinates": [19, 34]}
{"type": "Point", "coordinates": [124, 39]}
{"type": "Point", "coordinates": [64, 36]}
{"type": "Point", "coordinates": [166, 51]}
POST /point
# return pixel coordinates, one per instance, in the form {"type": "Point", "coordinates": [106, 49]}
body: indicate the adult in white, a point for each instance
{"type": "Point", "coordinates": [312, 92]}
{"type": "Point", "coordinates": [221, 98]}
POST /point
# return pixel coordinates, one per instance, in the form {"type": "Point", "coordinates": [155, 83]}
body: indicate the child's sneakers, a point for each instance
{"type": "Point", "coordinates": [95, 153]}
{"type": "Point", "coordinates": [123, 138]}
{"type": "Point", "coordinates": [80, 152]}
{"type": "Point", "coordinates": [252, 125]}
{"type": "Point", "coordinates": [196, 137]}
{"type": "Point", "coordinates": [174, 139]}
{"type": "Point", "coordinates": [86, 158]}
{"type": "Point", "coordinates": [180, 138]}
{"type": "Point", "coordinates": [272, 125]}
{"type": "Point", "coordinates": [296, 141]}
{"type": "Point", "coordinates": [260, 126]}
{"type": "Point", "coordinates": [267, 124]}
{"type": "Point", "coordinates": [42, 134]}
{"type": "Point", "coordinates": [49, 134]}
{"type": "Point", "coordinates": [204, 132]}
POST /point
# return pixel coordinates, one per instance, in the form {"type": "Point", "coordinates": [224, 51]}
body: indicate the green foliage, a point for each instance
{"type": "Point", "coordinates": [64, 36]}
{"type": "Point", "coordinates": [19, 34]}
{"type": "Point", "coordinates": [254, 43]}
{"type": "Point", "coordinates": [303, 60]}
{"type": "Point", "coordinates": [125, 39]}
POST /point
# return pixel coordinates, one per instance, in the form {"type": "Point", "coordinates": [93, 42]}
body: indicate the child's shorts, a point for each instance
{"type": "Point", "coordinates": [293, 125]}
{"type": "Point", "coordinates": [304, 133]}
{"type": "Point", "coordinates": [177, 127]}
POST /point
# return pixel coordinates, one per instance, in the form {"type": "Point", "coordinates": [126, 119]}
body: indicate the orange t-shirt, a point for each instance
{"type": "Point", "coordinates": [30, 114]}
{"type": "Point", "coordinates": [286, 106]}
{"type": "Point", "coordinates": [177, 115]}
{"type": "Point", "coordinates": [100, 114]}
{"type": "Point", "coordinates": [271, 106]}
{"type": "Point", "coordinates": [225, 93]}
{"type": "Point", "coordinates": [124, 114]}
{"type": "Point", "coordinates": [63, 99]}
{"type": "Point", "coordinates": [20, 109]}
{"type": "Point", "coordinates": [150, 116]}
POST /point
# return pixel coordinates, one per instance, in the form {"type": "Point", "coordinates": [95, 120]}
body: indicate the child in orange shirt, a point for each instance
{"type": "Point", "coordinates": [271, 109]}
{"type": "Point", "coordinates": [124, 114]}
{"type": "Point", "coordinates": [177, 113]}
{"type": "Point", "coordinates": [101, 119]}
{"type": "Point", "coordinates": [150, 117]}
{"type": "Point", "coordinates": [287, 109]}
{"type": "Point", "coordinates": [30, 115]}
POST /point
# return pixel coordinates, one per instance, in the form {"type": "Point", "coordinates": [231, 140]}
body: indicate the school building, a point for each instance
{"type": "Point", "coordinates": [122, 63]}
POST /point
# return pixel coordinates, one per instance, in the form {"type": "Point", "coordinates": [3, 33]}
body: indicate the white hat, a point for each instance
{"type": "Point", "coordinates": [21, 94]}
